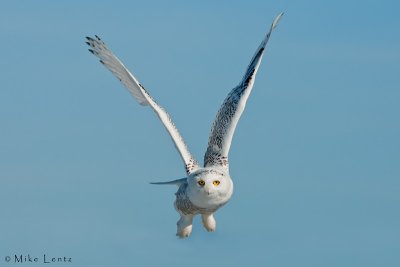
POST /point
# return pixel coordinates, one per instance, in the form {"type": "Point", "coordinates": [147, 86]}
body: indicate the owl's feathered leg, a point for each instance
{"type": "Point", "coordinates": [184, 226]}
{"type": "Point", "coordinates": [209, 222]}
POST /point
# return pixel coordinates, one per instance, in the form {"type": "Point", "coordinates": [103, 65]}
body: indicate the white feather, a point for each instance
{"type": "Point", "coordinates": [111, 62]}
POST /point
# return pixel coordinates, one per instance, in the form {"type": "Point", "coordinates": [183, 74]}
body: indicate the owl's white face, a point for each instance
{"type": "Point", "coordinates": [208, 188]}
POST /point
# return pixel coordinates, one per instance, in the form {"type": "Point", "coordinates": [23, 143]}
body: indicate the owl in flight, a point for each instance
{"type": "Point", "coordinates": [204, 189]}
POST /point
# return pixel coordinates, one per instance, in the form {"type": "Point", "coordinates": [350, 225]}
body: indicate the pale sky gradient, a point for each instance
{"type": "Point", "coordinates": [315, 158]}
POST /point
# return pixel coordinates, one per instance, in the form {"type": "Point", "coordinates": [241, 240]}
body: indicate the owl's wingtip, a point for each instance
{"type": "Point", "coordinates": [276, 20]}
{"type": "Point", "coordinates": [177, 182]}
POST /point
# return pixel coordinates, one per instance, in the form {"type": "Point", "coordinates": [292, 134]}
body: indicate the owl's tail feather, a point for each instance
{"type": "Point", "coordinates": [177, 182]}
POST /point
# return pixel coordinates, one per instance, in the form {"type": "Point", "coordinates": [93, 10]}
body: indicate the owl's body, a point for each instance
{"type": "Point", "coordinates": [205, 189]}
{"type": "Point", "coordinates": [203, 192]}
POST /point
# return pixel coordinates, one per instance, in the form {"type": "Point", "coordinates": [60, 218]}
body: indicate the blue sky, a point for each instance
{"type": "Point", "coordinates": [315, 158]}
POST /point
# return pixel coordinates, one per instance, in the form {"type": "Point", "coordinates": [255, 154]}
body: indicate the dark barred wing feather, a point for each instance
{"type": "Point", "coordinates": [229, 114]}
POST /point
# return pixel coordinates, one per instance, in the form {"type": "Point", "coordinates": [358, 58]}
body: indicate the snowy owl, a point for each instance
{"type": "Point", "coordinates": [204, 189]}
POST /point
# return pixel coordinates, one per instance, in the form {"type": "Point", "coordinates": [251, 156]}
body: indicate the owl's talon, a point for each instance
{"type": "Point", "coordinates": [209, 222]}
{"type": "Point", "coordinates": [184, 226]}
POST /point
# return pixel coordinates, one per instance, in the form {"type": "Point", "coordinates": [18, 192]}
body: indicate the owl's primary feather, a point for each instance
{"type": "Point", "coordinates": [206, 189]}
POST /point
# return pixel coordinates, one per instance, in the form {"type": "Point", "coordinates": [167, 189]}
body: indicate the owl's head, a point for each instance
{"type": "Point", "coordinates": [209, 187]}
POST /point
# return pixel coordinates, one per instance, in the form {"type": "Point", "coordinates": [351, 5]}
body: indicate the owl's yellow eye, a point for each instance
{"type": "Point", "coordinates": [201, 182]}
{"type": "Point", "coordinates": [216, 182]}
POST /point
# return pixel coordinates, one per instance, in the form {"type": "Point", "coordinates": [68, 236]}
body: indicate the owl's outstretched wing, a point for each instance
{"type": "Point", "coordinates": [228, 115]}
{"type": "Point", "coordinates": [111, 62]}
